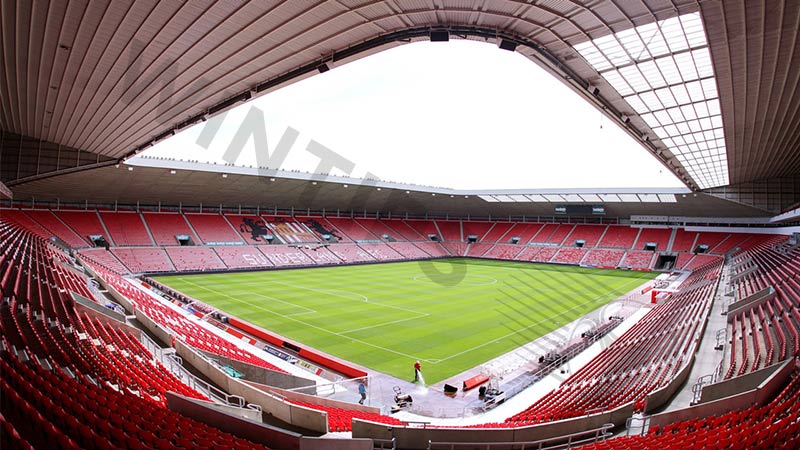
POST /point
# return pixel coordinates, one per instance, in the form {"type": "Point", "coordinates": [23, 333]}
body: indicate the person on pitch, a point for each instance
{"type": "Point", "coordinates": [362, 389]}
{"type": "Point", "coordinates": [417, 368]}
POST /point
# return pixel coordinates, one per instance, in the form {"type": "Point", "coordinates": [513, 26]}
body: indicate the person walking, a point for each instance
{"type": "Point", "coordinates": [417, 368]}
{"type": "Point", "coordinates": [362, 389]}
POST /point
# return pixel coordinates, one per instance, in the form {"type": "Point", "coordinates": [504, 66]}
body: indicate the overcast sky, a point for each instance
{"type": "Point", "coordinates": [458, 114]}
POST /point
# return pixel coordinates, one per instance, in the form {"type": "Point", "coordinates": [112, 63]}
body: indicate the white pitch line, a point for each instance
{"type": "Point", "coordinates": [369, 344]}
{"type": "Point", "coordinates": [385, 323]}
{"type": "Point", "coordinates": [329, 291]}
{"type": "Point", "coordinates": [530, 326]}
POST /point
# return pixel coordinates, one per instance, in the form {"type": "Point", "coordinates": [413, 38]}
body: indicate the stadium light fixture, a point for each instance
{"type": "Point", "coordinates": [505, 44]}
{"type": "Point", "coordinates": [663, 70]}
{"type": "Point", "coordinates": [440, 35]}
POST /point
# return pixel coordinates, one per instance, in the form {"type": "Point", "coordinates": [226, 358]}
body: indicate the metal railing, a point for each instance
{"type": "Point", "coordinates": [176, 367]}
{"type": "Point", "coordinates": [384, 444]}
{"type": "Point", "coordinates": [174, 364]}
{"type": "Point", "coordinates": [639, 423]}
{"type": "Point", "coordinates": [559, 442]}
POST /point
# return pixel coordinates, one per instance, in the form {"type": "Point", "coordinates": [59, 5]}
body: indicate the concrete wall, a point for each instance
{"type": "Point", "coordinates": [263, 376]}
{"type": "Point", "coordinates": [310, 419]}
{"type": "Point", "coordinates": [760, 395]}
{"type": "Point", "coordinates": [743, 383]}
{"type": "Point", "coordinates": [98, 308]}
{"type": "Point", "coordinates": [307, 443]}
{"type": "Point", "coordinates": [154, 328]}
{"type": "Point", "coordinates": [119, 298]}
{"type": "Point", "coordinates": [659, 397]}
{"type": "Point", "coordinates": [274, 438]}
{"type": "Point", "coordinates": [749, 302]}
{"type": "Point", "coordinates": [418, 437]}
{"type": "Point", "coordinates": [297, 396]}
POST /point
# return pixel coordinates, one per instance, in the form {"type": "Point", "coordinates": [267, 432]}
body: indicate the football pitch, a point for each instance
{"type": "Point", "coordinates": [451, 315]}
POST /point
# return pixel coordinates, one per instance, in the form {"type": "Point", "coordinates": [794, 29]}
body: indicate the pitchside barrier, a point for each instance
{"type": "Point", "coordinates": [311, 355]}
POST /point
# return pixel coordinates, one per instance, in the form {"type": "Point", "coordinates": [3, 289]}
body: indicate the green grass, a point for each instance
{"type": "Point", "coordinates": [451, 315]}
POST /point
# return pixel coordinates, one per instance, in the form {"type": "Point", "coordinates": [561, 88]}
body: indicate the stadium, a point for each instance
{"type": "Point", "coordinates": [153, 302]}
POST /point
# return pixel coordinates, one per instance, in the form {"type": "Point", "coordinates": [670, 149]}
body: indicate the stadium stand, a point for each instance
{"type": "Point", "coordinates": [589, 233]}
{"type": "Point", "coordinates": [639, 260]}
{"type": "Point", "coordinates": [251, 228]}
{"type": "Point", "coordinates": [774, 426]}
{"type": "Point", "coordinates": [408, 250]}
{"type": "Point", "coordinates": [569, 255]}
{"type": "Point", "coordinates": [350, 253]}
{"type": "Point", "coordinates": [352, 229]}
{"type": "Point", "coordinates": [477, 250]}
{"type": "Point", "coordinates": [84, 223]}
{"type": "Point", "coordinates": [542, 235]}
{"type": "Point", "coordinates": [451, 230]}
{"type": "Point", "coordinates": [166, 226]}
{"type": "Point", "coordinates": [194, 258]}
{"type": "Point", "coordinates": [683, 259]}
{"type": "Point", "coordinates": [560, 234]}
{"type": "Point", "coordinates": [140, 260]}
{"type": "Point", "coordinates": [619, 236]}
{"type": "Point", "coordinates": [126, 229]}
{"type": "Point", "coordinates": [284, 255]}
{"type": "Point", "coordinates": [242, 256]}
{"type": "Point", "coordinates": [379, 229]}
{"type": "Point", "coordinates": [289, 231]}
{"type": "Point", "coordinates": [23, 219]}
{"type": "Point", "coordinates": [499, 232]}
{"type": "Point", "coordinates": [402, 231]}
{"type": "Point", "coordinates": [425, 228]}
{"type": "Point", "coordinates": [432, 248]}
{"type": "Point", "coordinates": [455, 248]}
{"type": "Point", "coordinates": [341, 419]}
{"type": "Point", "coordinates": [49, 221]}
{"type": "Point", "coordinates": [104, 258]}
{"type": "Point", "coordinates": [381, 252]}
{"type": "Point", "coordinates": [684, 241]}
{"type": "Point", "coordinates": [527, 253]}
{"type": "Point", "coordinates": [625, 372]}
{"type": "Point", "coordinates": [183, 325]}
{"type": "Point", "coordinates": [479, 229]}
{"type": "Point", "coordinates": [321, 255]}
{"type": "Point", "coordinates": [546, 254]}
{"type": "Point", "coordinates": [603, 258]}
{"type": "Point", "coordinates": [51, 408]}
{"type": "Point", "coordinates": [503, 251]}
{"type": "Point", "coordinates": [324, 229]}
{"type": "Point", "coordinates": [213, 229]}
{"type": "Point", "coordinates": [82, 383]}
{"type": "Point", "coordinates": [658, 236]}
{"type": "Point", "coordinates": [712, 240]}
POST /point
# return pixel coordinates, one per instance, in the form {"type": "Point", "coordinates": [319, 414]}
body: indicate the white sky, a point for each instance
{"type": "Point", "coordinates": [459, 114]}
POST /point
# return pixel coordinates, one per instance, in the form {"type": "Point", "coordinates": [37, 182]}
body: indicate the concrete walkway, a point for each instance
{"type": "Point", "coordinates": [707, 358]}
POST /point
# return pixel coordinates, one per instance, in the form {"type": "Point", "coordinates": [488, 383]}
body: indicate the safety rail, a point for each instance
{"type": "Point", "coordinates": [381, 444]}
{"type": "Point", "coordinates": [569, 440]}
{"type": "Point", "coordinates": [637, 422]}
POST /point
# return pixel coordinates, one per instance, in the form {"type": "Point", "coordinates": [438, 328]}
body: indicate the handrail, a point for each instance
{"type": "Point", "coordinates": [194, 382]}
{"type": "Point", "coordinates": [377, 444]}
{"type": "Point", "coordinates": [642, 425]}
{"type": "Point", "coordinates": [596, 434]}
